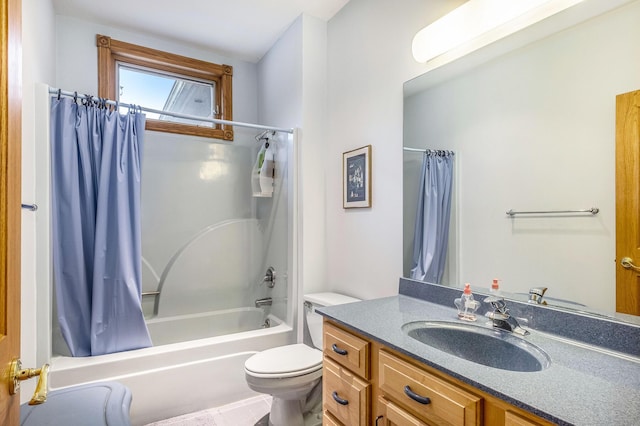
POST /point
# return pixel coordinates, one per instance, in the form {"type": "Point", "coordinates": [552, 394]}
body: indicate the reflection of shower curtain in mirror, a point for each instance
{"type": "Point", "coordinates": [431, 233]}
{"type": "Point", "coordinates": [96, 156]}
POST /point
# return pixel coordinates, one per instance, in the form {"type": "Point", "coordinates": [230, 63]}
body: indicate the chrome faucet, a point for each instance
{"type": "Point", "coordinates": [501, 317]}
{"type": "Point", "coordinates": [536, 294]}
{"type": "Point", "coordinates": [269, 277]}
{"type": "Point", "coordinates": [265, 301]}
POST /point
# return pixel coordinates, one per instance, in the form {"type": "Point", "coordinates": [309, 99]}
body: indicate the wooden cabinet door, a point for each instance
{"type": "Point", "coordinates": [396, 416]}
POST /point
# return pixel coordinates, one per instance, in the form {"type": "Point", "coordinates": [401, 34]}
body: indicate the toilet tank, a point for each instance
{"type": "Point", "coordinates": [314, 320]}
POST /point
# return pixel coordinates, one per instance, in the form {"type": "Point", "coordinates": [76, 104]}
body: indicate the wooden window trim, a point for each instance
{"type": "Point", "coordinates": [111, 51]}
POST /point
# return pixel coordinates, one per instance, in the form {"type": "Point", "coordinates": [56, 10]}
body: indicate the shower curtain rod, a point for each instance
{"type": "Point", "coordinates": [428, 151]}
{"type": "Point", "coordinates": [56, 91]}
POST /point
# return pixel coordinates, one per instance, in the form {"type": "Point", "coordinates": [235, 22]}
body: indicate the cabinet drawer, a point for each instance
{"type": "Point", "coordinates": [344, 395]}
{"type": "Point", "coordinates": [396, 416]}
{"type": "Point", "coordinates": [346, 349]}
{"type": "Point", "coordinates": [329, 420]}
{"type": "Point", "coordinates": [442, 402]}
{"type": "Point", "coordinates": [513, 419]}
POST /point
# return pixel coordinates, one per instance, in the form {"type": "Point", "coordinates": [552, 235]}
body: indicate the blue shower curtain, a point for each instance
{"type": "Point", "coordinates": [431, 233]}
{"type": "Point", "coordinates": [96, 157]}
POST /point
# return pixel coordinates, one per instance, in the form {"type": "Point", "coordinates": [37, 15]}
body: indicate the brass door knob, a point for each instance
{"type": "Point", "coordinates": [627, 263]}
{"type": "Point", "coordinates": [17, 374]}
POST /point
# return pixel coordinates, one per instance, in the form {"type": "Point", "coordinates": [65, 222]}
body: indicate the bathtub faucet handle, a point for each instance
{"type": "Point", "coordinates": [270, 277]}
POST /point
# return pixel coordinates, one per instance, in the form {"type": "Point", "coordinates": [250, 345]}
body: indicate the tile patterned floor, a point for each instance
{"type": "Point", "coordinates": [249, 412]}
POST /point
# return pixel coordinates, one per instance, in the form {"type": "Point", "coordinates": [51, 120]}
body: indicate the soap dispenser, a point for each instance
{"type": "Point", "coordinates": [466, 305]}
{"type": "Point", "coordinates": [495, 288]}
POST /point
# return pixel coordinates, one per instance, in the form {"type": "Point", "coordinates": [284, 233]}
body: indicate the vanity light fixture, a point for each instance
{"type": "Point", "coordinates": [478, 23]}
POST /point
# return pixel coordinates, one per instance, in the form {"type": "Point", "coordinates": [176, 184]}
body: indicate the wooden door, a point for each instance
{"type": "Point", "coordinates": [628, 202]}
{"type": "Point", "coordinates": [10, 146]}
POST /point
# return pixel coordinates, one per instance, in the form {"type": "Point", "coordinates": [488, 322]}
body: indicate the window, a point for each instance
{"type": "Point", "coordinates": [166, 82]}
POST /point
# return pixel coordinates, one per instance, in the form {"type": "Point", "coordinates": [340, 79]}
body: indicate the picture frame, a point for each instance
{"type": "Point", "coordinates": [356, 178]}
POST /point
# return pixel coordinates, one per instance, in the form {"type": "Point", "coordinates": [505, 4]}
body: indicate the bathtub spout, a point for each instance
{"type": "Point", "coordinates": [266, 301]}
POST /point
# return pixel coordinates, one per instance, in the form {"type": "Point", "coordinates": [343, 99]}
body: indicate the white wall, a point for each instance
{"type": "Point", "coordinates": [535, 130]}
{"type": "Point", "coordinates": [279, 104]}
{"type": "Point", "coordinates": [292, 93]}
{"type": "Point", "coordinates": [369, 59]}
{"type": "Point", "coordinates": [292, 87]}
{"type": "Point", "coordinates": [38, 65]}
{"type": "Point", "coordinates": [313, 155]}
{"type": "Point", "coordinates": [279, 98]}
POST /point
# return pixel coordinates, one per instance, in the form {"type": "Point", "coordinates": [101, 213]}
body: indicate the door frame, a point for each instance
{"type": "Point", "coordinates": [10, 194]}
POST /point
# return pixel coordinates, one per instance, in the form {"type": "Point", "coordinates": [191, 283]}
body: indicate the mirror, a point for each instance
{"type": "Point", "coordinates": [533, 129]}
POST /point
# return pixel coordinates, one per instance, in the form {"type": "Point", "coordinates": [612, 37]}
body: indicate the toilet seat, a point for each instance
{"type": "Point", "coordinates": [284, 361]}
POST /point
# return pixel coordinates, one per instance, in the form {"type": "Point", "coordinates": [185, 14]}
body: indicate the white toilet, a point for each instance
{"type": "Point", "coordinates": [292, 374]}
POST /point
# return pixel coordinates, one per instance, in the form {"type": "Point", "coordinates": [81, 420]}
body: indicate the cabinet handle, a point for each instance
{"type": "Point", "coordinates": [417, 398]}
{"type": "Point", "coordinates": [378, 418]}
{"type": "Point", "coordinates": [338, 399]}
{"type": "Point", "coordinates": [337, 350]}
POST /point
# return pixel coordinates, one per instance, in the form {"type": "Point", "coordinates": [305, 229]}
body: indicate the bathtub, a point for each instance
{"type": "Point", "coordinates": [182, 328]}
{"type": "Point", "coordinates": [186, 371]}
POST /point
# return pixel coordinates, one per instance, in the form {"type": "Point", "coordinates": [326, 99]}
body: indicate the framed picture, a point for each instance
{"type": "Point", "coordinates": [356, 178]}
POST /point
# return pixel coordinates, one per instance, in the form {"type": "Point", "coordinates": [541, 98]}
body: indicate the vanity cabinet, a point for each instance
{"type": "Point", "coordinates": [366, 383]}
{"type": "Point", "coordinates": [346, 369]}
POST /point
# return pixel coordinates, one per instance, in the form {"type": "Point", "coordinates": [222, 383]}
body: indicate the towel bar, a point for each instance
{"type": "Point", "coordinates": [592, 210]}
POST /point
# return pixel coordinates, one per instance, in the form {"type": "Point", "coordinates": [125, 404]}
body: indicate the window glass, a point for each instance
{"type": "Point", "coordinates": [166, 92]}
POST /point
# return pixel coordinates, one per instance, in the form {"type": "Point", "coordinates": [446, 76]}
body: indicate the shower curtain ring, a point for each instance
{"type": "Point", "coordinates": [75, 97]}
{"type": "Point", "coordinates": [59, 92]}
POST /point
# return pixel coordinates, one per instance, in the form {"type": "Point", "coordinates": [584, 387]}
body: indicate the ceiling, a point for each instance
{"type": "Point", "coordinates": [244, 29]}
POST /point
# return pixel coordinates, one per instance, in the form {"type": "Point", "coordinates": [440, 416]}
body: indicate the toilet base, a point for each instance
{"type": "Point", "coordinates": [314, 418]}
{"type": "Point", "coordinates": [286, 412]}
{"type": "Point", "coordinates": [302, 411]}
{"type": "Point", "coordinates": [284, 417]}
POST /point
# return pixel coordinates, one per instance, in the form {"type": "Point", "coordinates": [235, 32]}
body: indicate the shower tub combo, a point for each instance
{"type": "Point", "coordinates": [202, 321]}
{"type": "Point", "coordinates": [197, 360]}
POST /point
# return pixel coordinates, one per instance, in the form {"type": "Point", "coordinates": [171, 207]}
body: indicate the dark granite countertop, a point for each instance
{"type": "Point", "coordinates": [584, 384]}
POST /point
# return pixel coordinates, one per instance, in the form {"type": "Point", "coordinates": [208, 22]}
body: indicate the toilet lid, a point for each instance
{"type": "Point", "coordinates": [285, 361]}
